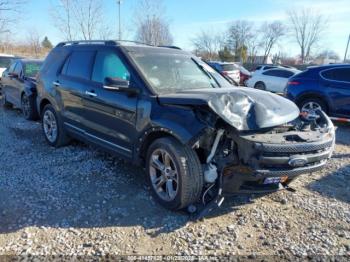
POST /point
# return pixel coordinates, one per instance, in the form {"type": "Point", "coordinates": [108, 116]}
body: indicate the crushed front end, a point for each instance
{"type": "Point", "coordinates": [263, 161]}
{"type": "Point", "coordinates": [276, 156]}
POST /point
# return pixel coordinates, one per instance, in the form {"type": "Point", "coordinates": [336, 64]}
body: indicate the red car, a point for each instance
{"type": "Point", "coordinates": [244, 75]}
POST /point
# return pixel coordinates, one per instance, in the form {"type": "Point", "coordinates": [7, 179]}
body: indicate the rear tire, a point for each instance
{"type": "Point", "coordinates": [174, 173]}
{"type": "Point", "coordinates": [52, 127]}
{"type": "Point", "coordinates": [313, 104]}
{"type": "Point", "coordinates": [260, 86]}
{"type": "Point", "coordinates": [28, 107]}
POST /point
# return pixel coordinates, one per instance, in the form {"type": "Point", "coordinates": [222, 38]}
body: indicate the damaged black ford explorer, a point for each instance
{"type": "Point", "coordinates": [198, 137]}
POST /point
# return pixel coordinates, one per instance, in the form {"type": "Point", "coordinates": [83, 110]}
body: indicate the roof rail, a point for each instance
{"type": "Point", "coordinates": [170, 46]}
{"type": "Point", "coordinates": [81, 42]}
{"type": "Point", "coordinates": [135, 42]}
{"type": "Point", "coordinates": [104, 42]}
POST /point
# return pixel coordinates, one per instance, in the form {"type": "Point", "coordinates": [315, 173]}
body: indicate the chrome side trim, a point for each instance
{"type": "Point", "coordinates": [95, 137]}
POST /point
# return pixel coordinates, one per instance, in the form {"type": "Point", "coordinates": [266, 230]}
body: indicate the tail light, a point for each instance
{"type": "Point", "coordinates": [225, 73]}
{"type": "Point", "coordinates": [293, 83]}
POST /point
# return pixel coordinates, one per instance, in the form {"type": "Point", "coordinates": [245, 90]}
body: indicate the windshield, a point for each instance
{"type": "Point", "coordinates": [32, 69]}
{"type": "Point", "coordinates": [169, 73]}
{"type": "Point", "coordinates": [5, 61]}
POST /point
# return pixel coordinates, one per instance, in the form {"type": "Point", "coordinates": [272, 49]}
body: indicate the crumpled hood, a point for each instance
{"type": "Point", "coordinates": [243, 108]}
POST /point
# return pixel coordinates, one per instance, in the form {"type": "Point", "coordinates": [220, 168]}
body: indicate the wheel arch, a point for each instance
{"type": "Point", "coordinates": [43, 103]}
{"type": "Point", "coordinates": [149, 137]}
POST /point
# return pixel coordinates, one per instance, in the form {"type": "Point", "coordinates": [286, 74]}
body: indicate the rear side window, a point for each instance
{"type": "Point", "coordinates": [279, 73]}
{"type": "Point", "coordinates": [79, 64]}
{"type": "Point", "coordinates": [272, 73]}
{"type": "Point", "coordinates": [32, 69]}
{"type": "Point", "coordinates": [108, 64]}
{"type": "Point", "coordinates": [337, 74]}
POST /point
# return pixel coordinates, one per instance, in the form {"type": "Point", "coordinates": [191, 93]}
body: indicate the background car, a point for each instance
{"type": "Point", "coordinates": [230, 70]}
{"type": "Point", "coordinates": [5, 62]}
{"type": "Point", "coordinates": [19, 86]}
{"type": "Point", "coordinates": [323, 87]}
{"type": "Point", "coordinates": [262, 68]}
{"type": "Point", "coordinates": [273, 80]}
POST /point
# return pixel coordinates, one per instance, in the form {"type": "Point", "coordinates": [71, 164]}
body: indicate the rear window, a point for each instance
{"type": "Point", "coordinates": [32, 69]}
{"type": "Point", "coordinates": [228, 67]}
{"type": "Point", "coordinates": [79, 64]}
{"type": "Point", "coordinates": [5, 62]}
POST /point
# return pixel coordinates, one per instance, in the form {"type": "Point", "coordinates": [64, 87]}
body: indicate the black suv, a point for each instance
{"type": "Point", "coordinates": [197, 135]}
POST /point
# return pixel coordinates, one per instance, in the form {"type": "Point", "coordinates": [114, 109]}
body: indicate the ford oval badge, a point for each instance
{"type": "Point", "coordinates": [297, 161]}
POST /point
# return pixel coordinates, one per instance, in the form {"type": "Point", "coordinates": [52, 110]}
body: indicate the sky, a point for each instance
{"type": "Point", "coordinates": [188, 17]}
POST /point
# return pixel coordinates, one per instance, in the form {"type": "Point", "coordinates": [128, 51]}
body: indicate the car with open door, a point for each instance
{"type": "Point", "coordinates": [19, 86]}
{"type": "Point", "coordinates": [168, 111]}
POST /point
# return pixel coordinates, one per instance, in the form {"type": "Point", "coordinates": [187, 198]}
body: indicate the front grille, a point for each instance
{"type": "Point", "coordinates": [294, 148]}
{"type": "Point", "coordinates": [275, 160]}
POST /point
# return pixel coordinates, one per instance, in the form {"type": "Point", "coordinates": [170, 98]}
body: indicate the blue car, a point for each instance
{"type": "Point", "coordinates": [323, 87]}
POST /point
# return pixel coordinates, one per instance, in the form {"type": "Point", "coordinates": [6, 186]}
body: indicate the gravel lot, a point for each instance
{"type": "Point", "coordinates": [78, 200]}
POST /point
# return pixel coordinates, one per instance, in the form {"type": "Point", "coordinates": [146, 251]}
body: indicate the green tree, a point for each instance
{"type": "Point", "coordinates": [46, 43]}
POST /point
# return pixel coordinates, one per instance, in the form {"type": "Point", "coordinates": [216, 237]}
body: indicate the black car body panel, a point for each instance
{"type": "Point", "coordinates": [248, 123]}
{"type": "Point", "coordinates": [16, 81]}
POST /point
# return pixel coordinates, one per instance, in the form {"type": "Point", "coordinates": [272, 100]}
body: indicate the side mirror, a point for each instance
{"type": "Point", "coordinates": [118, 84]}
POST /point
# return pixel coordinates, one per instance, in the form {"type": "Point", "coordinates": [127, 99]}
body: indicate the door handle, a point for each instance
{"type": "Point", "coordinates": [90, 94]}
{"type": "Point", "coordinates": [56, 83]}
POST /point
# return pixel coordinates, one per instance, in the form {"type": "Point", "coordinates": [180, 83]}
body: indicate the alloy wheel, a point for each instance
{"type": "Point", "coordinates": [25, 106]}
{"type": "Point", "coordinates": [50, 126]}
{"type": "Point", "coordinates": [164, 175]}
{"type": "Point", "coordinates": [311, 107]}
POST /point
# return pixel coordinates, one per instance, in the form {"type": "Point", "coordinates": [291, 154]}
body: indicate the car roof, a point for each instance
{"type": "Point", "coordinates": [284, 69]}
{"type": "Point", "coordinates": [222, 63]}
{"type": "Point", "coordinates": [6, 55]}
{"type": "Point", "coordinates": [328, 66]}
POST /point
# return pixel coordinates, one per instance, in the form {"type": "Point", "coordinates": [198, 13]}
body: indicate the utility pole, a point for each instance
{"type": "Point", "coordinates": [120, 26]}
{"type": "Point", "coordinates": [346, 50]}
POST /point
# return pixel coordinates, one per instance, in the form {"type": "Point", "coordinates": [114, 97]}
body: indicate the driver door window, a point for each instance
{"type": "Point", "coordinates": [108, 64]}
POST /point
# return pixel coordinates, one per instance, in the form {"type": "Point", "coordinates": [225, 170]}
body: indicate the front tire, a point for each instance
{"type": "Point", "coordinates": [52, 127]}
{"type": "Point", "coordinates": [174, 173]}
